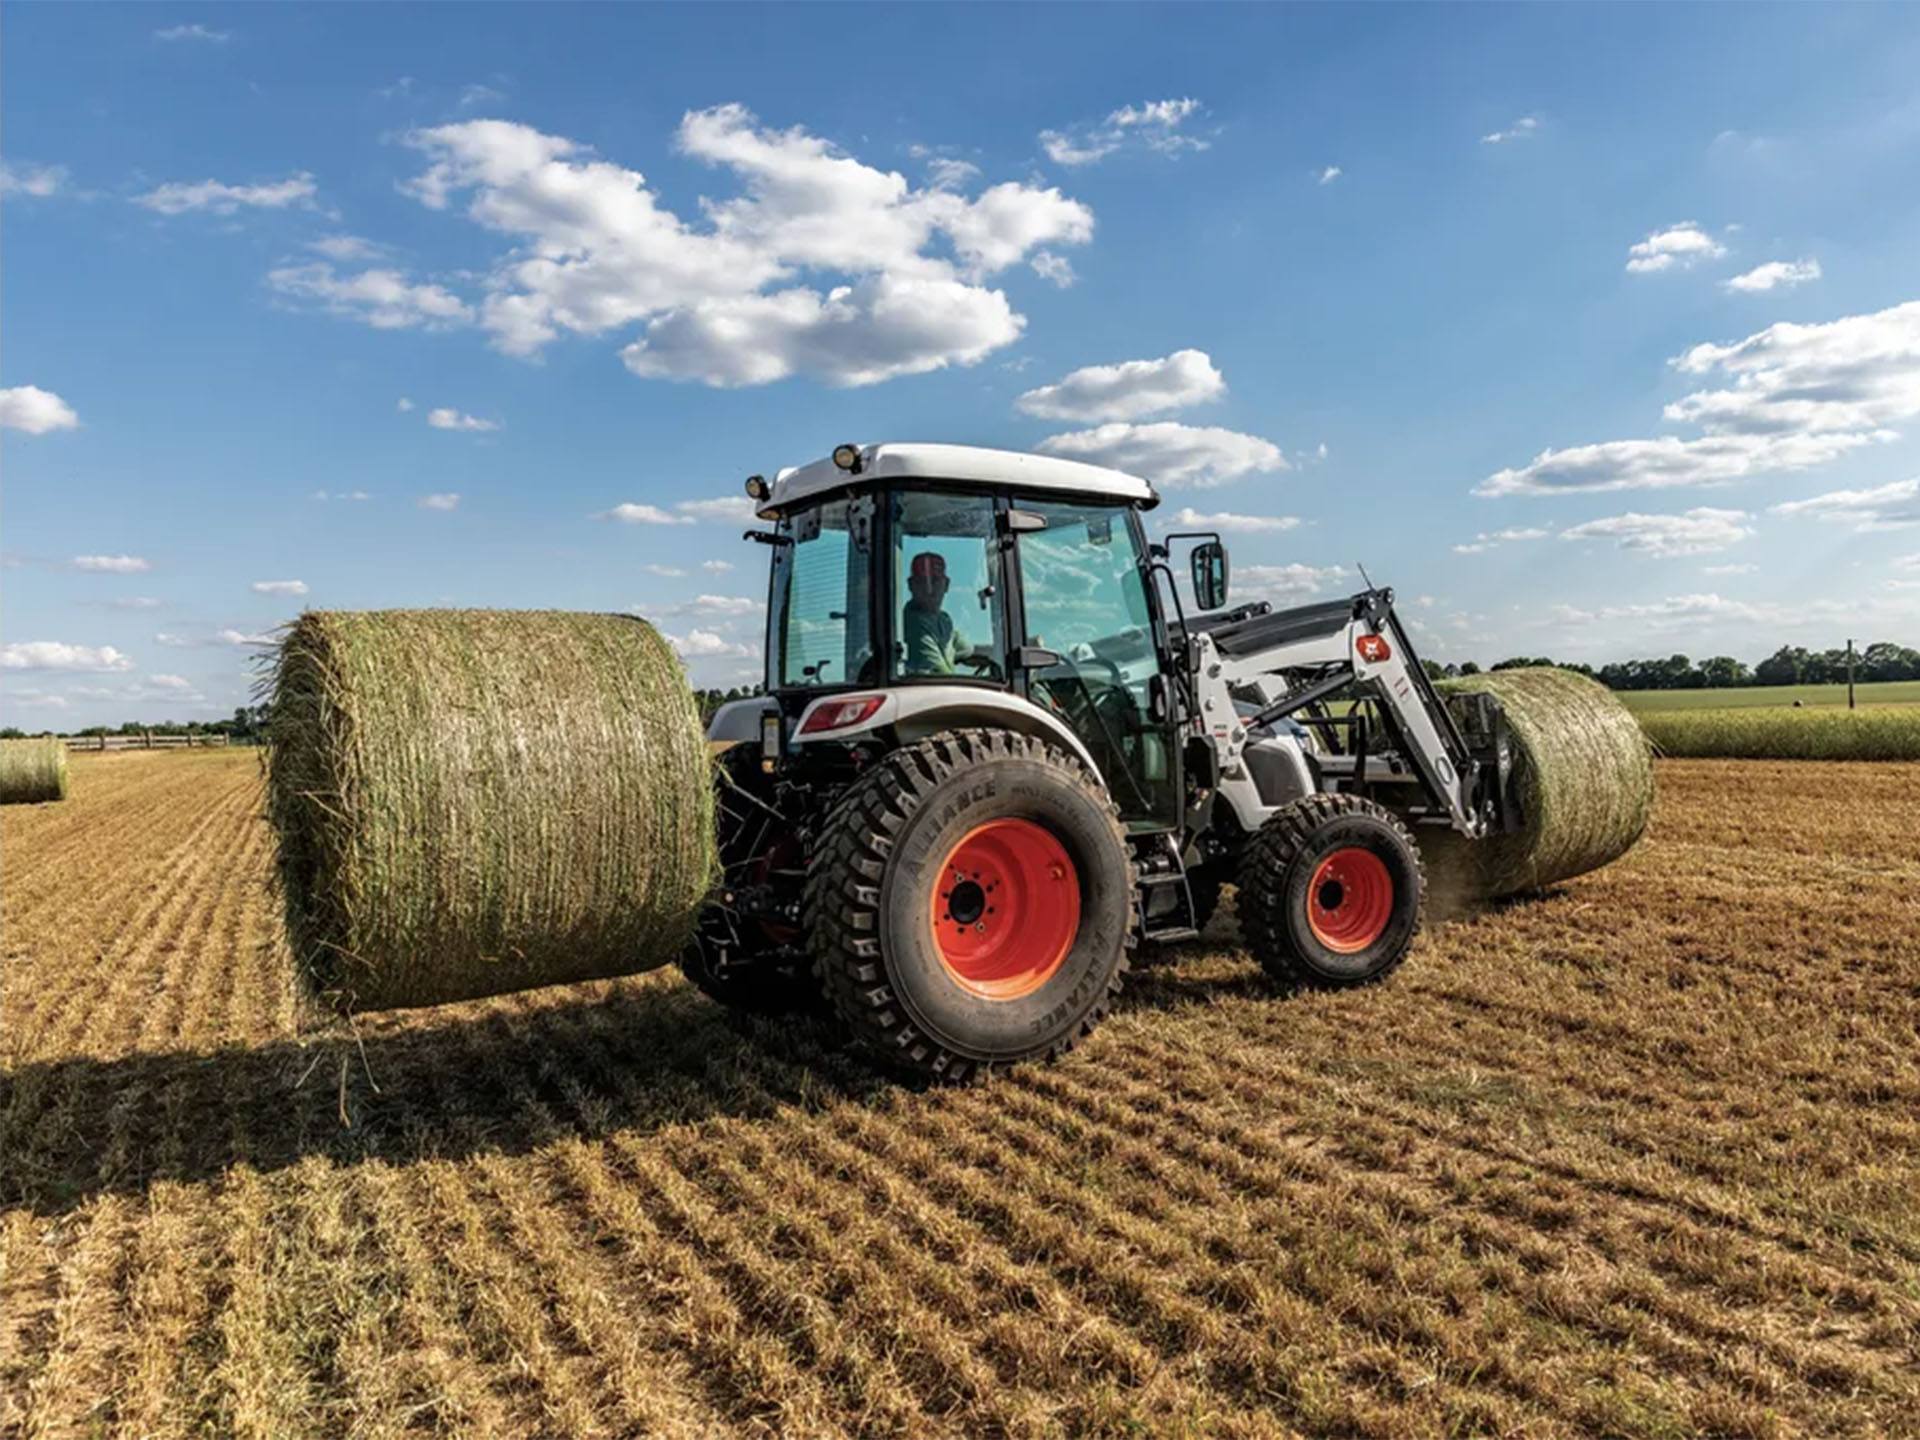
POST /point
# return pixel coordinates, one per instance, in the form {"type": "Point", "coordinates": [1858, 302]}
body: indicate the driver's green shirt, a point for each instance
{"type": "Point", "coordinates": [933, 646]}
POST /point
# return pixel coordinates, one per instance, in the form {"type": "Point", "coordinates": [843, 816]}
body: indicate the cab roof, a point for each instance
{"type": "Point", "coordinates": [969, 464]}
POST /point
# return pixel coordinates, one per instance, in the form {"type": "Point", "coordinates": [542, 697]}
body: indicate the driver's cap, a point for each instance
{"type": "Point", "coordinates": [929, 566]}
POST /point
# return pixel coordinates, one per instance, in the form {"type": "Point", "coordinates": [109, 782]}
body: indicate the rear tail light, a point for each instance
{"type": "Point", "coordinates": [839, 714]}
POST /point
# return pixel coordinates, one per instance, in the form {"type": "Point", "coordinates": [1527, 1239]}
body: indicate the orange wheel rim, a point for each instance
{"type": "Point", "coordinates": [1005, 909]}
{"type": "Point", "coordinates": [1350, 900]}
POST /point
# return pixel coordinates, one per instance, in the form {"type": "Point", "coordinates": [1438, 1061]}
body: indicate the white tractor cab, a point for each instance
{"type": "Point", "coordinates": [995, 752]}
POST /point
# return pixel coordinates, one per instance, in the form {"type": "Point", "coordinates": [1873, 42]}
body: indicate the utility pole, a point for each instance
{"type": "Point", "coordinates": [1849, 673]}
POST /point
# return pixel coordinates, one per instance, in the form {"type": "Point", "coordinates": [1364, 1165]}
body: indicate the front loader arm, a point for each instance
{"type": "Point", "coordinates": [1292, 659]}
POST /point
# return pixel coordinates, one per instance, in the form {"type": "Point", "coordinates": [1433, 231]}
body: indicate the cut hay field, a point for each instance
{"type": "Point", "coordinates": [1639, 1159]}
{"type": "Point", "coordinates": [1886, 692]}
{"type": "Point", "coordinates": [1877, 732]}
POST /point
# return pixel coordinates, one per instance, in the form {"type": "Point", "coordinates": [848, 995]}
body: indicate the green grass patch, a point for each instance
{"type": "Point", "coordinates": [1882, 732]}
{"type": "Point", "coordinates": [1886, 692]}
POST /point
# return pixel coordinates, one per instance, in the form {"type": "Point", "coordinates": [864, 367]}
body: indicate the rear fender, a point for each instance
{"type": "Point", "coordinates": [915, 712]}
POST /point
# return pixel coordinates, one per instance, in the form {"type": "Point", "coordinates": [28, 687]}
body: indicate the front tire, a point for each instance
{"type": "Point", "coordinates": [970, 904]}
{"type": "Point", "coordinates": [1331, 893]}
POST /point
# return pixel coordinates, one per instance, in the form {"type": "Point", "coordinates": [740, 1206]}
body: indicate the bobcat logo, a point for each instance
{"type": "Point", "coordinates": [1373, 648]}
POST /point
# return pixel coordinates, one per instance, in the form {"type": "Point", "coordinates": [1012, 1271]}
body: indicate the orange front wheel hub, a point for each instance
{"type": "Point", "coordinates": [1349, 900]}
{"type": "Point", "coordinates": [1005, 908]}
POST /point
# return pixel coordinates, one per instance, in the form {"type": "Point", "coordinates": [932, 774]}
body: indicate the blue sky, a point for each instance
{"type": "Point", "coordinates": [1595, 332]}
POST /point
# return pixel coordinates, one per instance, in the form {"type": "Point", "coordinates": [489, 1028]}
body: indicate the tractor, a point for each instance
{"type": "Point", "coordinates": [997, 752]}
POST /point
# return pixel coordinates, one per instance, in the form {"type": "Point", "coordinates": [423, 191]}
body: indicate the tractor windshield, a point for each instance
{"type": "Point", "coordinates": [819, 619]}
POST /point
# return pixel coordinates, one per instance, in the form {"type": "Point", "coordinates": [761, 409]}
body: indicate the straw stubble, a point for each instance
{"type": "Point", "coordinates": [475, 801]}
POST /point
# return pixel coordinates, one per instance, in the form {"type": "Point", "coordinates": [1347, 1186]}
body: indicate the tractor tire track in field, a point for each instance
{"type": "Point", "coordinates": [1640, 1157]}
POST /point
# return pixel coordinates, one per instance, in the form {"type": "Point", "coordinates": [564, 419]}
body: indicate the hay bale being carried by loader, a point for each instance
{"type": "Point", "coordinates": [476, 801]}
{"type": "Point", "coordinates": [1582, 784]}
{"type": "Point", "coordinates": [32, 771]}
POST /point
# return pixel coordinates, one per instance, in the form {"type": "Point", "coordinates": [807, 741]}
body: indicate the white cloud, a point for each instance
{"type": "Point", "coordinates": [1166, 114]}
{"type": "Point", "coordinates": [345, 247]}
{"type": "Point", "coordinates": [1129, 390]}
{"type": "Point", "coordinates": [39, 181]}
{"type": "Point", "coordinates": [716, 567]}
{"type": "Point", "coordinates": [1065, 149]}
{"type": "Point", "coordinates": [1681, 245]}
{"type": "Point", "coordinates": [1492, 539]}
{"type": "Point", "coordinates": [665, 572]}
{"type": "Point", "coordinates": [722, 302]}
{"type": "Point", "coordinates": [1793, 396]}
{"type": "Point", "coordinates": [1908, 562]}
{"type": "Point", "coordinates": [193, 32]}
{"type": "Point", "coordinates": [384, 299]}
{"type": "Point", "coordinates": [630, 513]}
{"type": "Point", "coordinates": [135, 602]}
{"type": "Point", "coordinates": [1521, 129]}
{"type": "Point", "coordinates": [404, 406]}
{"type": "Point", "coordinates": [709, 644]}
{"type": "Point", "coordinates": [948, 173]}
{"type": "Point", "coordinates": [724, 507]}
{"type": "Point", "coordinates": [57, 655]}
{"type": "Point", "coordinates": [1283, 582]}
{"type": "Point", "coordinates": [1054, 269]}
{"type": "Point", "coordinates": [1744, 567]}
{"type": "Point", "coordinates": [1885, 507]}
{"type": "Point", "coordinates": [1153, 124]}
{"type": "Point", "coordinates": [1689, 611]}
{"type": "Point", "coordinates": [178, 197]}
{"type": "Point", "coordinates": [444, 500]}
{"type": "Point", "coordinates": [36, 411]}
{"type": "Point", "coordinates": [1329, 175]}
{"type": "Point", "coordinates": [1225, 520]}
{"type": "Point", "coordinates": [1776, 275]}
{"type": "Point", "coordinates": [1699, 531]}
{"type": "Point", "coordinates": [239, 637]}
{"type": "Point", "coordinates": [111, 564]}
{"type": "Point", "coordinates": [279, 587]}
{"type": "Point", "coordinates": [447, 418]}
{"type": "Point", "coordinates": [164, 637]}
{"type": "Point", "coordinates": [170, 682]}
{"type": "Point", "coordinates": [325, 495]}
{"type": "Point", "coordinates": [730, 605]}
{"type": "Point", "coordinates": [472, 95]}
{"type": "Point", "coordinates": [1169, 453]}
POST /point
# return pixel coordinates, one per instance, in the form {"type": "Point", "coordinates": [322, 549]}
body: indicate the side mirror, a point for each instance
{"type": "Point", "coordinates": [1210, 575]}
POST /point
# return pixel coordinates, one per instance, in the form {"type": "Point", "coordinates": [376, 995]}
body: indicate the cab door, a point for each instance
{"type": "Point", "coordinates": [1085, 597]}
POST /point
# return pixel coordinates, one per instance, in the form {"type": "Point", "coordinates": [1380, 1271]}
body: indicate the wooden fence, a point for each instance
{"type": "Point", "coordinates": [145, 740]}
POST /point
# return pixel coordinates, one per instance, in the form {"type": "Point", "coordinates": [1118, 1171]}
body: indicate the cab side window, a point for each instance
{"type": "Point", "coordinates": [948, 610]}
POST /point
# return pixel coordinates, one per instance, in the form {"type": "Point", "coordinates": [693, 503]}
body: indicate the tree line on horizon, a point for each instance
{"type": "Point", "coordinates": [1789, 665]}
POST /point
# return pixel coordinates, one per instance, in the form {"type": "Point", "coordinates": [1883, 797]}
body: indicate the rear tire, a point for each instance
{"type": "Point", "coordinates": [970, 904]}
{"type": "Point", "coordinates": [1331, 893]}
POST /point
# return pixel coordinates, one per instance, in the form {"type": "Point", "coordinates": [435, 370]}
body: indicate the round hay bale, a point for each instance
{"type": "Point", "coordinates": [476, 801]}
{"type": "Point", "coordinates": [32, 771]}
{"type": "Point", "coordinates": [1582, 780]}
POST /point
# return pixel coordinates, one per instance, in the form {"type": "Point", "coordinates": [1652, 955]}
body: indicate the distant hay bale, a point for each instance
{"type": "Point", "coordinates": [476, 801]}
{"type": "Point", "coordinates": [1582, 779]}
{"type": "Point", "coordinates": [32, 771]}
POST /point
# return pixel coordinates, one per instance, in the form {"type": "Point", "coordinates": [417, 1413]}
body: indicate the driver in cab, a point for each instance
{"type": "Point", "coordinates": [933, 646]}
